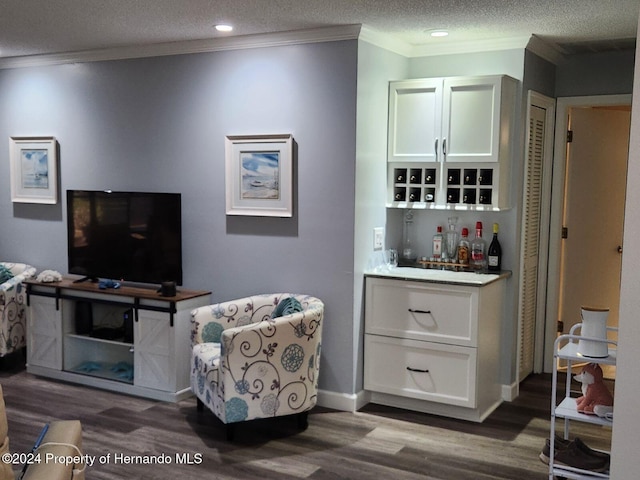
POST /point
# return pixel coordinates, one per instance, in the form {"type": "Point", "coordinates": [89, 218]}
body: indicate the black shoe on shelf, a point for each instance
{"type": "Point", "coordinates": [585, 448]}
{"type": "Point", "coordinates": [559, 443]}
{"type": "Point", "coordinates": [575, 454]}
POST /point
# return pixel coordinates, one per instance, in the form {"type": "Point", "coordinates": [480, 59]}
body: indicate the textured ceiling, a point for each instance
{"type": "Point", "coordinates": [33, 27]}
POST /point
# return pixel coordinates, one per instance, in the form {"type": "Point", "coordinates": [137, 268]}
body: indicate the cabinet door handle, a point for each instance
{"type": "Point", "coordinates": [420, 311]}
{"type": "Point", "coordinates": [444, 147]}
{"type": "Point", "coordinates": [418, 370]}
{"type": "Point", "coordinates": [435, 147]}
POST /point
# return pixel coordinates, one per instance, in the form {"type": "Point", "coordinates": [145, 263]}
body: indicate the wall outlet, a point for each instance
{"type": "Point", "coordinates": [378, 238]}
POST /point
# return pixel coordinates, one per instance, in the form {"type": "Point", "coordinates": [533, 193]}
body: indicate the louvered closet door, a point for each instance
{"type": "Point", "coordinates": [531, 240]}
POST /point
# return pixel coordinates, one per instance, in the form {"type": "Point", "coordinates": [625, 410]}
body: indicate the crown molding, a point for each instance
{"type": "Point", "coordinates": [385, 41]}
{"type": "Point", "coordinates": [532, 43]}
{"type": "Point", "coordinates": [295, 37]}
{"type": "Point", "coordinates": [442, 47]}
{"type": "Point", "coordinates": [476, 46]}
{"type": "Point", "coordinates": [544, 50]}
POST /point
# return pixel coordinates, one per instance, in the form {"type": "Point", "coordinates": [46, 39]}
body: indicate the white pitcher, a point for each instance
{"type": "Point", "coordinates": [594, 325]}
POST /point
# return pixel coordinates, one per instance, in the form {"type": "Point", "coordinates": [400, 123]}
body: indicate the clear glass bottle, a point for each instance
{"type": "Point", "coordinates": [451, 241]}
{"type": "Point", "coordinates": [409, 254]}
{"type": "Point", "coordinates": [464, 248]}
{"type": "Point", "coordinates": [479, 249]}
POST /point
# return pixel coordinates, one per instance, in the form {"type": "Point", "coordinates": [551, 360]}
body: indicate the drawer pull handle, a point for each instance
{"type": "Point", "coordinates": [417, 370]}
{"type": "Point", "coordinates": [428, 312]}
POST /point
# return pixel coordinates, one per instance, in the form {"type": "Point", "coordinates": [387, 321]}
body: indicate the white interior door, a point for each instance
{"type": "Point", "coordinates": [594, 212]}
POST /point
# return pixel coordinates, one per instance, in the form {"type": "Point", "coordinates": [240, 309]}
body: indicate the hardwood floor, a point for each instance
{"type": "Point", "coordinates": [376, 442]}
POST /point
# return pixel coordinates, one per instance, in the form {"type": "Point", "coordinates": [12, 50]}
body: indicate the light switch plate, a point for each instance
{"type": "Point", "coordinates": [378, 238]}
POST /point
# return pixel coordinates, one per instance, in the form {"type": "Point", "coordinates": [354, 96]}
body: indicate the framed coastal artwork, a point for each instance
{"type": "Point", "coordinates": [259, 175]}
{"type": "Point", "coordinates": [33, 169]}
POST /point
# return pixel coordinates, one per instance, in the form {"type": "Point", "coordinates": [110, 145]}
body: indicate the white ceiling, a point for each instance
{"type": "Point", "coordinates": [38, 27]}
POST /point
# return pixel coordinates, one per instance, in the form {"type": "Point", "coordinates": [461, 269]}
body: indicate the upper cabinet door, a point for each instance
{"type": "Point", "coordinates": [415, 120]}
{"type": "Point", "coordinates": [471, 119]}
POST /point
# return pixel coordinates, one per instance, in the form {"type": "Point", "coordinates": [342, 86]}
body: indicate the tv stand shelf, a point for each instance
{"type": "Point", "coordinates": [154, 365]}
{"type": "Point", "coordinates": [131, 297]}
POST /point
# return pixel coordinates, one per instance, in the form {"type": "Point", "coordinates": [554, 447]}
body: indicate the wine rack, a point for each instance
{"type": "Point", "coordinates": [414, 184]}
{"type": "Point", "coordinates": [461, 186]}
{"type": "Point", "coordinates": [469, 186]}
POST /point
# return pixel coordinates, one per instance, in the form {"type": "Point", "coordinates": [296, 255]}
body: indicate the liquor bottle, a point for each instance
{"type": "Point", "coordinates": [494, 253]}
{"type": "Point", "coordinates": [437, 245]}
{"type": "Point", "coordinates": [464, 247]}
{"type": "Point", "coordinates": [478, 249]}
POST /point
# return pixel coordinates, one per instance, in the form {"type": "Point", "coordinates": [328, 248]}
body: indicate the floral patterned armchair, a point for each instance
{"type": "Point", "coordinates": [257, 357]}
{"type": "Point", "coordinates": [12, 306]}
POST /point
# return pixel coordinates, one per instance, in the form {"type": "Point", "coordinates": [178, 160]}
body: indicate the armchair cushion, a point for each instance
{"type": "Point", "coordinates": [286, 306]}
{"type": "Point", "coordinates": [63, 438]}
{"type": "Point", "coordinates": [247, 365]}
{"type": "Point", "coordinates": [5, 274]}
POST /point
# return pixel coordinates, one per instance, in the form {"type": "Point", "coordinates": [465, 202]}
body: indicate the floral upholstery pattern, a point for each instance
{"type": "Point", "coordinates": [13, 298]}
{"type": "Point", "coordinates": [247, 365]}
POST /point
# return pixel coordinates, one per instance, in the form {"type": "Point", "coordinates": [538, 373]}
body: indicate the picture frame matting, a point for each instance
{"type": "Point", "coordinates": [259, 175]}
{"type": "Point", "coordinates": [33, 170]}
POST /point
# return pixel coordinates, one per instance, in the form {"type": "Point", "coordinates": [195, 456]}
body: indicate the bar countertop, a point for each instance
{"type": "Point", "coordinates": [437, 276]}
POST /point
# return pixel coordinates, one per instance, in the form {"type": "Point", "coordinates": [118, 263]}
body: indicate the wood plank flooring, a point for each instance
{"type": "Point", "coordinates": [376, 442]}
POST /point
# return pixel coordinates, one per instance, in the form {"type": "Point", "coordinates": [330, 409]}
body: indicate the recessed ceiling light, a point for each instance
{"type": "Point", "coordinates": [224, 28]}
{"type": "Point", "coordinates": [439, 33]}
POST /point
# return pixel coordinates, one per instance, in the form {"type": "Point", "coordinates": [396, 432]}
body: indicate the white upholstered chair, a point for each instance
{"type": "Point", "coordinates": [13, 306]}
{"type": "Point", "coordinates": [257, 357]}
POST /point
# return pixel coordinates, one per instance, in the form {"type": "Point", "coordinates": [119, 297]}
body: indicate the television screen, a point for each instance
{"type": "Point", "coordinates": [125, 236]}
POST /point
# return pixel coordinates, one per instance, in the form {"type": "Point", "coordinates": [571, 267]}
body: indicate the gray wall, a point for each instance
{"type": "Point", "coordinates": [607, 73]}
{"type": "Point", "coordinates": [158, 124]}
{"type": "Point", "coordinates": [539, 75]}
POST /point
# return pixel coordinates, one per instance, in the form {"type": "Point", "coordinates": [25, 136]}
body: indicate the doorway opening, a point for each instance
{"type": "Point", "coordinates": [587, 211]}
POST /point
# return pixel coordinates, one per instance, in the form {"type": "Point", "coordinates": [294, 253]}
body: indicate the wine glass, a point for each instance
{"type": "Point", "coordinates": [391, 258]}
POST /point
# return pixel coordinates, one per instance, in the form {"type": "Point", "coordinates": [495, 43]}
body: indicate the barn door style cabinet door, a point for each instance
{"type": "Point", "coordinates": [449, 142]}
{"type": "Point", "coordinates": [44, 336]}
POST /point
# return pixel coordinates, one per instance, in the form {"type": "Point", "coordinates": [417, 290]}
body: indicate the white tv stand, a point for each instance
{"type": "Point", "coordinates": [155, 365]}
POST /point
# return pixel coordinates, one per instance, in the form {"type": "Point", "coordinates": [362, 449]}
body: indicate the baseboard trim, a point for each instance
{"type": "Point", "coordinates": [342, 401]}
{"type": "Point", "coordinates": [355, 401]}
{"type": "Point", "coordinates": [510, 392]}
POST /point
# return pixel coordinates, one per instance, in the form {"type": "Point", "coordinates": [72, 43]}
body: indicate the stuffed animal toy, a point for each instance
{"type": "Point", "coordinates": [594, 391]}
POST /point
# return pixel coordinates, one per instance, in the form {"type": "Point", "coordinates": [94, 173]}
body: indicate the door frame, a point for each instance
{"type": "Point", "coordinates": [563, 106]}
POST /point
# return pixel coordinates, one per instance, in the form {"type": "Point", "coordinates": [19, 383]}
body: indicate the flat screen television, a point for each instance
{"type": "Point", "coordinates": [125, 236]}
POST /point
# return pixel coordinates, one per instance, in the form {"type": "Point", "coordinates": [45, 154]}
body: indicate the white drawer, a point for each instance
{"type": "Point", "coordinates": [422, 311]}
{"type": "Point", "coordinates": [395, 366]}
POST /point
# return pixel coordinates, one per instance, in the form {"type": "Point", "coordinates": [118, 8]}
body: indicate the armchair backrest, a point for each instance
{"type": "Point", "coordinates": [13, 323]}
{"type": "Point", "coordinates": [20, 271]}
{"type": "Point", "coordinates": [208, 323]}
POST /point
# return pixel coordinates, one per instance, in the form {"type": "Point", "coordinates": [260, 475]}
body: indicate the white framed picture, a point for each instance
{"type": "Point", "coordinates": [34, 169]}
{"type": "Point", "coordinates": [259, 175]}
